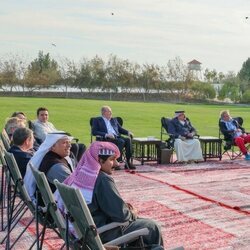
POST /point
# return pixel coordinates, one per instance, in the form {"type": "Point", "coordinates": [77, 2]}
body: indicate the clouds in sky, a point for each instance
{"type": "Point", "coordinates": [216, 33]}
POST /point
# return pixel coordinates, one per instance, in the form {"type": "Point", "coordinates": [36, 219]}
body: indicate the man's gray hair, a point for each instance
{"type": "Point", "coordinates": [105, 108]}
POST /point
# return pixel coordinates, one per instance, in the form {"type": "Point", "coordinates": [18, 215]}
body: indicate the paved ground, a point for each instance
{"type": "Point", "coordinates": [199, 206]}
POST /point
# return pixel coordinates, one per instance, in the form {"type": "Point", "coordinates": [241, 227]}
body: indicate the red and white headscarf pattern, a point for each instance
{"type": "Point", "coordinates": [87, 170]}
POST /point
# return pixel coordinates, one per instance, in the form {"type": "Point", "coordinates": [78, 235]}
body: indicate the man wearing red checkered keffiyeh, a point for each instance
{"type": "Point", "coordinates": [93, 177]}
{"type": "Point", "coordinates": [88, 168]}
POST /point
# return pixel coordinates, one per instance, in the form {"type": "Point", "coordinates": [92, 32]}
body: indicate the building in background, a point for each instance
{"type": "Point", "coordinates": [195, 67]}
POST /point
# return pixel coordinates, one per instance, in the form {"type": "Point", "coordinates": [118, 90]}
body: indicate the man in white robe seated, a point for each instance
{"type": "Point", "coordinates": [186, 146]}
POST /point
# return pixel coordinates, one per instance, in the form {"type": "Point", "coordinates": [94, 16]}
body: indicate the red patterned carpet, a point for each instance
{"type": "Point", "coordinates": [199, 206]}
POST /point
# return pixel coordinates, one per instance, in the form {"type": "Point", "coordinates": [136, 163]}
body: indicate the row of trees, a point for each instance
{"type": "Point", "coordinates": [119, 75]}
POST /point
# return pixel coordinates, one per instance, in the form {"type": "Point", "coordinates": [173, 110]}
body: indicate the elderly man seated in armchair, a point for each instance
{"type": "Point", "coordinates": [234, 133]}
{"type": "Point", "coordinates": [186, 146]}
{"type": "Point", "coordinates": [109, 129]}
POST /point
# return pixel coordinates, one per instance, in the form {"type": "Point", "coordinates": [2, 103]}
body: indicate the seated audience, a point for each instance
{"type": "Point", "coordinates": [110, 130]}
{"type": "Point", "coordinates": [22, 148]}
{"type": "Point", "coordinates": [93, 177]}
{"type": "Point", "coordinates": [42, 127]}
{"type": "Point", "coordinates": [232, 131]}
{"type": "Point", "coordinates": [186, 146]}
{"type": "Point", "coordinates": [52, 158]}
{"type": "Point", "coordinates": [12, 124]}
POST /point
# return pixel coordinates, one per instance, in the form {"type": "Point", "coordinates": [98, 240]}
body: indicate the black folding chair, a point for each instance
{"type": "Point", "coordinates": [52, 210]}
{"type": "Point", "coordinates": [16, 210]}
{"type": "Point", "coordinates": [3, 187]}
{"type": "Point", "coordinates": [229, 146]}
{"type": "Point", "coordinates": [85, 228]}
{"type": "Point", "coordinates": [169, 138]}
{"type": "Point", "coordinates": [5, 139]}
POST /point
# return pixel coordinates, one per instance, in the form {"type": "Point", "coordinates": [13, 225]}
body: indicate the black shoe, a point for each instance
{"type": "Point", "coordinates": [117, 168]}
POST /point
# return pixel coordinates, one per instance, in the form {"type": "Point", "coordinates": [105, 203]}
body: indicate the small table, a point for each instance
{"type": "Point", "coordinates": [211, 147]}
{"type": "Point", "coordinates": [146, 149]}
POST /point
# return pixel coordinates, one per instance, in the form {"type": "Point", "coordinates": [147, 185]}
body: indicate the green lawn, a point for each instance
{"type": "Point", "coordinates": [143, 119]}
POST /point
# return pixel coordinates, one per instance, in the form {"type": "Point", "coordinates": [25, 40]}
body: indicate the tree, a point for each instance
{"type": "Point", "coordinates": [230, 88]}
{"type": "Point", "coordinates": [246, 97]}
{"type": "Point", "coordinates": [210, 75]}
{"type": "Point", "coordinates": [244, 73]}
{"type": "Point", "coordinates": [114, 74]}
{"type": "Point", "coordinates": [8, 74]}
{"type": "Point", "coordinates": [149, 78]}
{"type": "Point", "coordinates": [119, 74]}
{"type": "Point", "coordinates": [68, 72]}
{"type": "Point", "coordinates": [179, 77]}
{"type": "Point", "coordinates": [98, 73]}
{"type": "Point", "coordinates": [84, 76]}
{"type": "Point", "coordinates": [201, 90]}
{"type": "Point", "coordinates": [42, 72]}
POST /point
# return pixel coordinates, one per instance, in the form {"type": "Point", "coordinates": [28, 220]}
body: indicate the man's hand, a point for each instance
{"type": "Point", "coordinates": [130, 134]}
{"type": "Point", "coordinates": [133, 210]}
{"type": "Point", "coordinates": [190, 135]}
{"type": "Point", "coordinates": [110, 136]}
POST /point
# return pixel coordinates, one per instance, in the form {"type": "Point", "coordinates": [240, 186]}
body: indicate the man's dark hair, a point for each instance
{"type": "Point", "coordinates": [41, 109]}
{"type": "Point", "coordinates": [15, 114]}
{"type": "Point", "coordinates": [20, 135]}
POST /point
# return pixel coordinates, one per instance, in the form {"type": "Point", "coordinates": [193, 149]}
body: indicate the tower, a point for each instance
{"type": "Point", "coordinates": [195, 67]}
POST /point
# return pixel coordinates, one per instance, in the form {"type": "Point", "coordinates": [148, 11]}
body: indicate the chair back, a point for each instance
{"type": "Point", "coordinates": [2, 147]}
{"type": "Point", "coordinates": [239, 120]}
{"type": "Point", "coordinates": [18, 181]}
{"type": "Point", "coordinates": [120, 120]}
{"type": "Point", "coordinates": [165, 126]}
{"type": "Point", "coordinates": [80, 214]}
{"type": "Point", "coordinates": [3, 163]}
{"type": "Point", "coordinates": [5, 139]}
{"type": "Point", "coordinates": [49, 201]}
{"type": "Point", "coordinates": [91, 120]}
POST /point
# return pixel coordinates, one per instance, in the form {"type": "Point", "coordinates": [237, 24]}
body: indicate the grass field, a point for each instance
{"type": "Point", "coordinates": [143, 119]}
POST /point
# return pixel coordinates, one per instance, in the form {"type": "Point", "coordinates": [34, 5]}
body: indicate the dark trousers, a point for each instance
{"type": "Point", "coordinates": [123, 142]}
{"type": "Point", "coordinates": [153, 238]}
{"type": "Point", "coordinates": [77, 149]}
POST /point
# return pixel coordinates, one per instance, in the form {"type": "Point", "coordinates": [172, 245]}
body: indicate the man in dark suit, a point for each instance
{"type": "Point", "coordinates": [109, 129]}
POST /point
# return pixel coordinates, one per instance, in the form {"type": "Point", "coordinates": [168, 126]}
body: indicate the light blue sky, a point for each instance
{"type": "Point", "coordinates": [216, 33]}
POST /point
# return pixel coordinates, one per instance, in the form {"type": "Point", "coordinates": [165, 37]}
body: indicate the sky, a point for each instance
{"type": "Point", "coordinates": [214, 32]}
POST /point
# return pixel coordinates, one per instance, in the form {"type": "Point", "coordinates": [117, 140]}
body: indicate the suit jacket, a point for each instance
{"type": "Point", "coordinates": [22, 158]}
{"type": "Point", "coordinates": [177, 129]}
{"type": "Point", "coordinates": [228, 134]}
{"type": "Point", "coordinates": [99, 127]}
